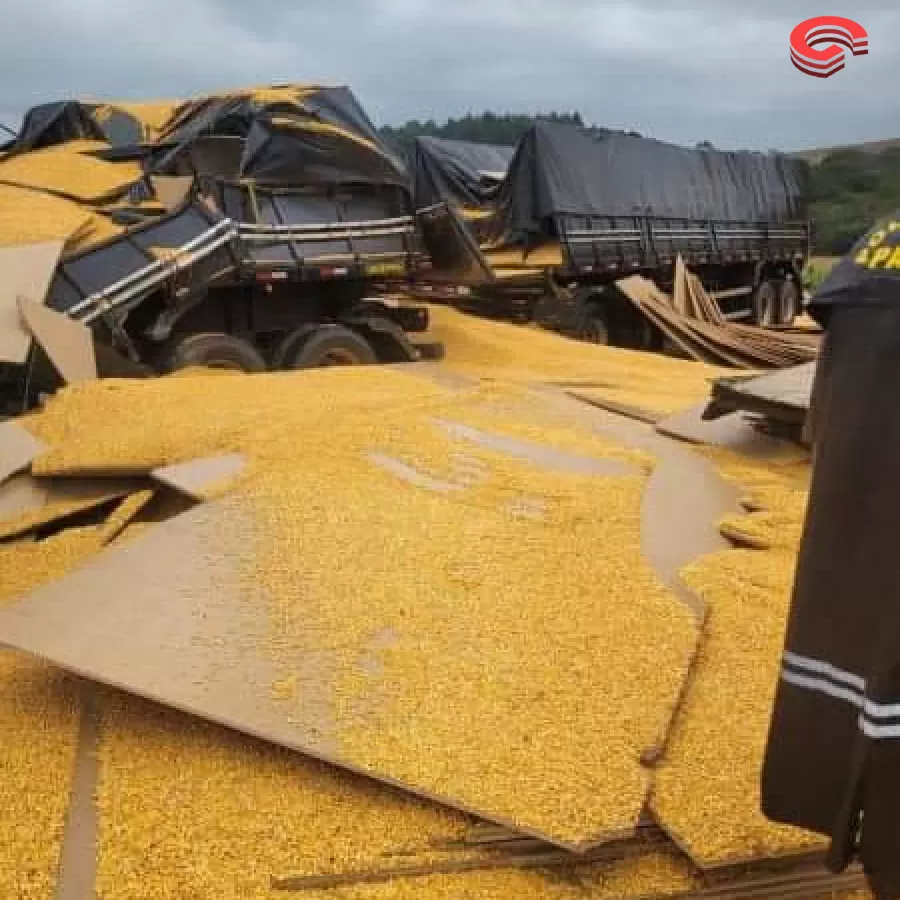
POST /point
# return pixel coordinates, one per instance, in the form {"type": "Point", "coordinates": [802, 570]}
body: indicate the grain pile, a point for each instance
{"type": "Point", "coordinates": [38, 729]}
{"type": "Point", "coordinates": [482, 598]}
{"type": "Point", "coordinates": [706, 789]}
{"type": "Point", "coordinates": [30, 217]}
{"type": "Point", "coordinates": [277, 813]}
{"type": "Point", "coordinates": [651, 382]}
{"type": "Point", "coordinates": [69, 171]}
{"type": "Point", "coordinates": [477, 609]}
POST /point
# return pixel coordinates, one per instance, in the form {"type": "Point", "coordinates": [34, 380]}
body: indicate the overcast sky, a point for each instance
{"type": "Point", "coordinates": [715, 70]}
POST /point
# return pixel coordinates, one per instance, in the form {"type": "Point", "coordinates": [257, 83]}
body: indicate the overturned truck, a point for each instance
{"type": "Point", "coordinates": [267, 228]}
{"type": "Point", "coordinates": [578, 210]}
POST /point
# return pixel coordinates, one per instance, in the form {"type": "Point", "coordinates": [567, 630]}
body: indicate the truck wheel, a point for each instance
{"type": "Point", "coordinates": [328, 345]}
{"type": "Point", "coordinates": [592, 324]}
{"type": "Point", "coordinates": [790, 302]}
{"type": "Point", "coordinates": [765, 304]}
{"type": "Point", "coordinates": [214, 350]}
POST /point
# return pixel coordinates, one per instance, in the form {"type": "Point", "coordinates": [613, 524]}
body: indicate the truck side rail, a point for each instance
{"type": "Point", "coordinates": [623, 243]}
{"type": "Point", "coordinates": [192, 247]}
{"type": "Point", "coordinates": [289, 230]}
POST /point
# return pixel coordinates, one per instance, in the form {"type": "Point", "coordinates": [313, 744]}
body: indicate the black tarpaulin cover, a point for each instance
{"type": "Point", "coordinates": [298, 136]}
{"type": "Point", "coordinates": [564, 169]}
{"type": "Point", "coordinates": [833, 755]}
{"type": "Point", "coordinates": [55, 123]}
{"type": "Point", "coordinates": [462, 172]}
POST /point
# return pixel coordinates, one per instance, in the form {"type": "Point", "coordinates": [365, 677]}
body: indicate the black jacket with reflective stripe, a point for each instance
{"type": "Point", "coordinates": [833, 756]}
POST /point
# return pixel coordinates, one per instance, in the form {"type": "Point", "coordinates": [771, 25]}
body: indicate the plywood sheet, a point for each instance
{"type": "Point", "coordinates": [24, 272]}
{"type": "Point", "coordinates": [197, 478]}
{"type": "Point", "coordinates": [68, 344]}
{"type": "Point", "coordinates": [18, 449]}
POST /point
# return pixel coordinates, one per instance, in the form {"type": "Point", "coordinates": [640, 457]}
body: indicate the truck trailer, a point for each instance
{"type": "Point", "coordinates": [578, 211]}
{"type": "Point", "coordinates": [261, 229]}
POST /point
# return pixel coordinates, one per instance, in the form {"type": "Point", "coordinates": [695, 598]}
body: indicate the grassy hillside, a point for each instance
{"type": "Point", "coordinates": [815, 157]}
{"type": "Point", "coordinates": [848, 190]}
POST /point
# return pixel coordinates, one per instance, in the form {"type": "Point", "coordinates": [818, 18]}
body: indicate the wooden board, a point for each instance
{"type": "Point", "coordinates": [69, 345]}
{"type": "Point", "coordinates": [24, 272]}
{"type": "Point", "coordinates": [18, 449]}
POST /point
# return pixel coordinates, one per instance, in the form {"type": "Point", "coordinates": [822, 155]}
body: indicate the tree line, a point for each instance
{"type": "Point", "coordinates": [845, 192]}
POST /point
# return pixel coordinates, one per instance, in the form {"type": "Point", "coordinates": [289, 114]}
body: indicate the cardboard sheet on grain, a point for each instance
{"type": "Point", "coordinates": [732, 432]}
{"type": "Point", "coordinates": [20, 495]}
{"type": "Point", "coordinates": [18, 449]}
{"type": "Point", "coordinates": [163, 617]}
{"type": "Point", "coordinates": [194, 479]}
{"type": "Point", "coordinates": [24, 272]}
{"type": "Point", "coordinates": [68, 344]}
{"type": "Point", "coordinates": [36, 503]}
{"type": "Point", "coordinates": [790, 388]}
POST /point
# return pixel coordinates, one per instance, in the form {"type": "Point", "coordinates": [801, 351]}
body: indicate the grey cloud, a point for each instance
{"type": "Point", "coordinates": [707, 70]}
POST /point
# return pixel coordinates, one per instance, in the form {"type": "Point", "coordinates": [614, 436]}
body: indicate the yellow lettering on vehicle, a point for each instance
{"type": "Point", "coordinates": [880, 256]}
{"type": "Point", "coordinates": [893, 226]}
{"type": "Point", "coordinates": [895, 259]}
{"type": "Point", "coordinates": [385, 269]}
{"type": "Point", "coordinates": [877, 238]}
{"type": "Point", "coordinates": [862, 258]}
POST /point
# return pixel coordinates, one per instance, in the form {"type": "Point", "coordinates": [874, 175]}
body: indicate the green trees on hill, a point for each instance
{"type": "Point", "coordinates": [487, 128]}
{"type": "Point", "coordinates": [847, 192]}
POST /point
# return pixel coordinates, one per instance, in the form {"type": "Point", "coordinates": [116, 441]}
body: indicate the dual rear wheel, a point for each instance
{"type": "Point", "coordinates": [776, 302]}
{"type": "Point", "coordinates": [306, 348]}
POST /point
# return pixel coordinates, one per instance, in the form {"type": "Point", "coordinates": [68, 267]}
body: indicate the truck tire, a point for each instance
{"type": "Point", "coordinates": [790, 302]}
{"type": "Point", "coordinates": [327, 345]}
{"type": "Point", "coordinates": [214, 350]}
{"type": "Point", "coordinates": [766, 304]}
{"type": "Point", "coordinates": [591, 322]}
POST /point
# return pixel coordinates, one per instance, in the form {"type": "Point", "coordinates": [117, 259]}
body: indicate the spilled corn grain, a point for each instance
{"type": "Point", "coordinates": [645, 380]}
{"type": "Point", "coordinates": [707, 788]}
{"type": "Point", "coordinates": [38, 729]}
{"type": "Point", "coordinates": [62, 169]}
{"type": "Point", "coordinates": [475, 615]}
{"type": "Point", "coordinates": [124, 514]}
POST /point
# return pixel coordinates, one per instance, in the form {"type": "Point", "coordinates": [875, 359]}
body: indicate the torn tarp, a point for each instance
{"type": "Point", "coordinates": [461, 172]}
{"type": "Point", "coordinates": [563, 169]}
{"type": "Point", "coordinates": [301, 136]}
{"type": "Point", "coordinates": [55, 123]}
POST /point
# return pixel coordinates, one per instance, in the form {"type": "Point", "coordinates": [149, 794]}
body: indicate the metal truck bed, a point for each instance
{"type": "Point", "coordinates": [259, 236]}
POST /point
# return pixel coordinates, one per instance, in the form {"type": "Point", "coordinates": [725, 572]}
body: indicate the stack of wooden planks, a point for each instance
{"type": "Point", "coordinates": [693, 322]}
